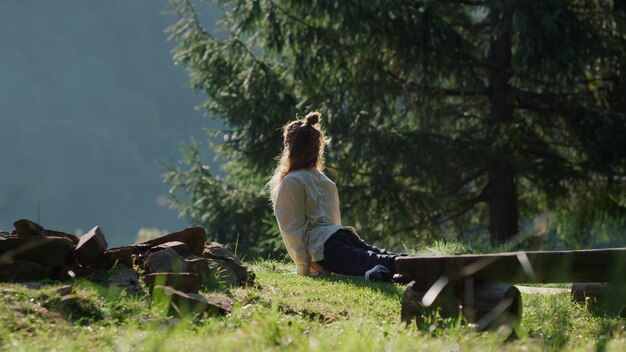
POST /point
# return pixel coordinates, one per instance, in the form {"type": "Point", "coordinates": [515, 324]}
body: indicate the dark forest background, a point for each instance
{"type": "Point", "coordinates": [472, 121]}
{"type": "Point", "coordinates": [469, 121]}
{"type": "Point", "coordinates": [90, 102]}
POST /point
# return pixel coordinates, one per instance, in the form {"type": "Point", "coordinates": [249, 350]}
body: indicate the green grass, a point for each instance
{"type": "Point", "coordinates": [284, 312]}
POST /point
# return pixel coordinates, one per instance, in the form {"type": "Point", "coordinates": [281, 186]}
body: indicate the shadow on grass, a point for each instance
{"type": "Point", "coordinates": [388, 289]}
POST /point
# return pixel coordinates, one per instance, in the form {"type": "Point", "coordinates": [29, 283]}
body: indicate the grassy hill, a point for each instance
{"type": "Point", "coordinates": [282, 312]}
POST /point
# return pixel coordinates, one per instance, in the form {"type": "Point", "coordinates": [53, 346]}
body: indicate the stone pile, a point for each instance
{"type": "Point", "coordinates": [173, 268]}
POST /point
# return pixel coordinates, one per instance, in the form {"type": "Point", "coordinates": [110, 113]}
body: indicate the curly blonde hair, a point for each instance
{"type": "Point", "coordinates": [304, 142]}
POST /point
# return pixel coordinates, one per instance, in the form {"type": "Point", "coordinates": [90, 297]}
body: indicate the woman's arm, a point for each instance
{"type": "Point", "coordinates": [289, 210]}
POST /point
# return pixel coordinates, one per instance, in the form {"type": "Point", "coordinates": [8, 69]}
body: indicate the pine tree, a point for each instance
{"type": "Point", "coordinates": [448, 115]}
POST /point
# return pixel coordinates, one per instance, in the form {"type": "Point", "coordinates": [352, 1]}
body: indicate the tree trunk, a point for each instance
{"type": "Point", "coordinates": [502, 200]}
{"type": "Point", "coordinates": [501, 192]}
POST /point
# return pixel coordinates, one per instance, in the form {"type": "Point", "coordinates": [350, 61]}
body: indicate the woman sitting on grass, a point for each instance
{"type": "Point", "coordinates": [306, 205]}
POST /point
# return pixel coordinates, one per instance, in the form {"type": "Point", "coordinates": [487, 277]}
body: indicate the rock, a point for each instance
{"type": "Point", "coordinates": [214, 250]}
{"type": "Point", "coordinates": [223, 304]}
{"type": "Point", "coordinates": [234, 274]}
{"type": "Point", "coordinates": [53, 233]}
{"type": "Point", "coordinates": [69, 300]}
{"type": "Point", "coordinates": [27, 227]}
{"type": "Point", "coordinates": [124, 278]}
{"type": "Point", "coordinates": [231, 271]}
{"type": "Point", "coordinates": [34, 285]}
{"type": "Point", "coordinates": [65, 290]}
{"type": "Point", "coordinates": [47, 251]}
{"type": "Point", "coordinates": [178, 246]}
{"type": "Point", "coordinates": [69, 305]}
{"type": "Point", "coordinates": [206, 269]}
{"type": "Point", "coordinates": [23, 270]}
{"type": "Point", "coordinates": [166, 260]}
{"type": "Point", "coordinates": [185, 282]}
{"type": "Point", "coordinates": [227, 274]}
{"type": "Point", "coordinates": [73, 272]}
{"type": "Point", "coordinates": [154, 322]}
{"type": "Point", "coordinates": [140, 248]}
{"type": "Point", "coordinates": [113, 256]}
{"type": "Point", "coordinates": [181, 303]}
{"type": "Point", "coordinates": [194, 237]}
{"type": "Point", "coordinates": [90, 246]}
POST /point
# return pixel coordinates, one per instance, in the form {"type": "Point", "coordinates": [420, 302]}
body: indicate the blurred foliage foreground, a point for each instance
{"type": "Point", "coordinates": [283, 312]}
{"type": "Point", "coordinates": [473, 120]}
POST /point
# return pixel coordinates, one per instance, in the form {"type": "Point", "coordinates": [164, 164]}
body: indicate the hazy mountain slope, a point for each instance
{"type": "Point", "coordinates": [89, 102]}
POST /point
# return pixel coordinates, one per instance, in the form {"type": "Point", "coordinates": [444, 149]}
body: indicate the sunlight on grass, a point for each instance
{"type": "Point", "coordinates": [283, 311]}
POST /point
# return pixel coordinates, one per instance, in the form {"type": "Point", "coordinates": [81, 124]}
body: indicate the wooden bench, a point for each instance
{"type": "Point", "coordinates": [480, 285]}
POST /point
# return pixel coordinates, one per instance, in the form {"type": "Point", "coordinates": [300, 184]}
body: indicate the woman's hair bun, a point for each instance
{"type": "Point", "coordinates": [313, 118]}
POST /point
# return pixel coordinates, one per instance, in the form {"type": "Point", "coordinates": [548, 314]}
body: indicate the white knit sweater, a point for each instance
{"type": "Point", "coordinates": [307, 210]}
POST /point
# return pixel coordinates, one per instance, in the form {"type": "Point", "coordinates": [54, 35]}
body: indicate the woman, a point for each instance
{"type": "Point", "coordinates": [306, 206]}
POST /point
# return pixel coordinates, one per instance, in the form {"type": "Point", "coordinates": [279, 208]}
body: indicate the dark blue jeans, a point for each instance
{"type": "Point", "coordinates": [346, 254]}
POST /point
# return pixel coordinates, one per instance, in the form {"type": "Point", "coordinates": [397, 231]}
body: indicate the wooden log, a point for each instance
{"type": "Point", "coordinates": [519, 267]}
{"type": "Point", "coordinates": [607, 298]}
{"type": "Point", "coordinates": [415, 311]}
{"type": "Point", "coordinates": [583, 291]}
{"type": "Point", "coordinates": [488, 305]}
{"type": "Point", "coordinates": [494, 306]}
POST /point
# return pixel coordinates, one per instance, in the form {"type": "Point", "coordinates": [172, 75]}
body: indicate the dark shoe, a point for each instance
{"type": "Point", "coordinates": [379, 273]}
{"type": "Point", "coordinates": [401, 279]}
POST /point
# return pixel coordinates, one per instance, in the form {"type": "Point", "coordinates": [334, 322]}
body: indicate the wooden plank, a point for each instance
{"type": "Point", "coordinates": [592, 265]}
